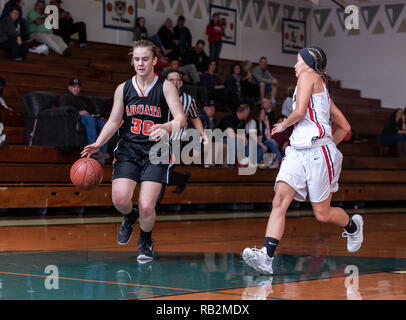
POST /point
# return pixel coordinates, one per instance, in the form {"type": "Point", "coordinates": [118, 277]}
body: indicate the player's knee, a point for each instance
{"type": "Point", "coordinates": [146, 207]}
{"type": "Point", "coordinates": [321, 215]}
{"type": "Point", "coordinates": [120, 200]}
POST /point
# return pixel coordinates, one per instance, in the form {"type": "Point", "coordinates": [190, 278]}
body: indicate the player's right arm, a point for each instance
{"type": "Point", "coordinates": [111, 126]}
{"type": "Point", "coordinates": [339, 119]}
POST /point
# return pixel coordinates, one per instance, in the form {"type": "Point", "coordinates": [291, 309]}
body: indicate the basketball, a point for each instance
{"type": "Point", "coordinates": [86, 173]}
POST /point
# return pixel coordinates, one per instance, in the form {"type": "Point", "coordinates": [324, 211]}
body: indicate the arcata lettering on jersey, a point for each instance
{"type": "Point", "coordinates": [141, 109]}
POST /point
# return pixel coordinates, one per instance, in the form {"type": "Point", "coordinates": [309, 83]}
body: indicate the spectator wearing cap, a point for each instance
{"type": "Point", "coordinates": [10, 36]}
{"type": "Point", "coordinates": [67, 27]}
{"type": "Point", "coordinates": [39, 32]}
{"type": "Point", "coordinates": [92, 124]}
{"type": "Point", "coordinates": [183, 35]}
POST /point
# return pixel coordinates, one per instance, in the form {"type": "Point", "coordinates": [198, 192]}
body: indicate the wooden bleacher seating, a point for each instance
{"type": "Point", "coordinates": [39, 176]}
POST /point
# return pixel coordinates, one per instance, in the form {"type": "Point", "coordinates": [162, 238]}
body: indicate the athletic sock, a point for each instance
{"type": "Point", "coordinates": [133, 215]}
{"type": "Point", "coordinates": [145, 235]}
{"type": "Point", "coordinates": [351, 226]}
{"type": "Point", "coordinates": [270, 245]}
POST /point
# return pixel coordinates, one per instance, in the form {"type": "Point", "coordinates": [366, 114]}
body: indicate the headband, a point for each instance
{"type": "Point", "coordinates": [308, 58]}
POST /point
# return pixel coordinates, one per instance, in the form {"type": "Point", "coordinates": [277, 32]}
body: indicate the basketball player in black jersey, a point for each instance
{"type": "Point", "coordinates": [141, 113]}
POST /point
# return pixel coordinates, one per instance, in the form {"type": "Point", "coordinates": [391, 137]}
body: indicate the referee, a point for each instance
{"type": "Point", "coordinates": [191, 112]}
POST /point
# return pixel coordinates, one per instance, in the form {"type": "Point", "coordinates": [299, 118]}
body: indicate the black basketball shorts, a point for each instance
{"type": "Point", "coordinates": [132, 161]}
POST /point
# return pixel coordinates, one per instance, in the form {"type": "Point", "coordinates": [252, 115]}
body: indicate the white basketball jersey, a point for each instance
{"type": "Point", "coordinates": [314, 129]}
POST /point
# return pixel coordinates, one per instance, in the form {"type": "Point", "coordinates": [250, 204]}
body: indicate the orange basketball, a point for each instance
{"type": "Point", "coordinates": [86, 173]}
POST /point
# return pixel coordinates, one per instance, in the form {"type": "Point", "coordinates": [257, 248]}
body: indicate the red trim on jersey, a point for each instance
{"type": "Point", "coordinates": [330, 175]}
{"type": "Point", "coordinates": [313, 119]}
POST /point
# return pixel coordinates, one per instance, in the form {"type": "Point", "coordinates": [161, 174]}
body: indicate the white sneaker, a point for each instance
{"type": "Point", "coordinates": [258, 260]}
{"type": "Point", "coordinates": [1, 127]}
{"type": "Point", "coordinates": [354, 240]}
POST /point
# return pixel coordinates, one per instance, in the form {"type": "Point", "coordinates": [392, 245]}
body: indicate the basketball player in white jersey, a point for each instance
{"type": "Point", "coordinates": [141, 114]}
{"type": "Point", "coordinates": [312, 163]}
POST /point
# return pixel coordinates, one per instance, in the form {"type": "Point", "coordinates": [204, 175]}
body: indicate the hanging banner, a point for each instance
{"type": "Point", "coordinates": [119, 14]}
{"type": "Point", "coordinates": [293, 35]}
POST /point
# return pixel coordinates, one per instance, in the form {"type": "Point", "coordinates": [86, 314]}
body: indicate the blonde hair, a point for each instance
{"type": "Point", "coordinates": [142, 44]}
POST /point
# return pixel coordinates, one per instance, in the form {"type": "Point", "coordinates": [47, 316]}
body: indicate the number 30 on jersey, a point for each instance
{"type": "Point", "coordinates": [141, 126]}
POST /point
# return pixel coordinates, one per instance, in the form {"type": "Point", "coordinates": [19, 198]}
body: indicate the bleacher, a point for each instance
{"type": "Point", "coordinates": [38, 176]}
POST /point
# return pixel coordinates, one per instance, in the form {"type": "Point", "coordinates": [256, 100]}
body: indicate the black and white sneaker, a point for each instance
{"type": "Point", "coordinates": [126, 229]}
{"type": "Point", "coordinates": [145, 250]}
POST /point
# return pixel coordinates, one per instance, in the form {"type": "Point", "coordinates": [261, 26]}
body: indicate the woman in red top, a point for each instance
{"type": "Point", "coordinates": [215, 33]}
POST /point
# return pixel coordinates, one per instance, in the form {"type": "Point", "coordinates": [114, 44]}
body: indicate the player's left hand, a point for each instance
{"type": "Point", "coordinates": [157, 132]}
{"type": "Point", "coordinates": [278, 127]}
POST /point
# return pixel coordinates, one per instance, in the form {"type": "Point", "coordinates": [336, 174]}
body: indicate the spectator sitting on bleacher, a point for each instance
{"type": "Point", "coordinates": [90, 120]}
{"type": "Point", "coordinates": [67, 27]}
{"type": "Point", "coordinates": [287, 104]}
{"type": "Point", "coordinates": [4, 105]}
{"type": "Point", "coordinates": [208, 115]}
{"type": "Point", "coordinates": [209, 120]}
{"type": "Point", "coordinates": [233, 122]}
{"type": "Point", "coordinates": [140, 31]}
{"type": "Point", "coordinates": [21, 21]}
{"type": "Point", "coordinates": [249, 86]}
{"type": "Point", "coordinates": [183, 35]}
{"type": "Point", "coordinates": [197, 56]}
{"type": "Point", "coordinates": [265, 81]}
{"type": "Point", "coordinates": [211, 80]}
{"type": "Point", "coordinates": [394, 133]}
{"type": "Point", "coordinates": [162, 61]}
{"type": "Point", "coordinates": [10, 36]}
{"type": "Point", "coordinates": [39, 32]}
{"type": "Point", "coordinates": [265, 143]}
{"type": "Point", "coordinates": [190, 74]}
{"type": "Point", "coordinates": [270, 115]}
{"type": "Point", "coordinates": [169, 43]}
{"type": "Point", "coordinates": [2, 102]}
{"type": "Point", "coordinates": [233, 85]}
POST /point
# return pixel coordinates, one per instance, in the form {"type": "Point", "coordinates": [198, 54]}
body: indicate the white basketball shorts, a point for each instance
{"type": "Point", "coordinates": [313, 171]}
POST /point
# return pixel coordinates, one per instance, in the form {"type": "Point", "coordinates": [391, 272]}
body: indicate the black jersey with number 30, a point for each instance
{"type": "Point", "coordinates": [142, 110]}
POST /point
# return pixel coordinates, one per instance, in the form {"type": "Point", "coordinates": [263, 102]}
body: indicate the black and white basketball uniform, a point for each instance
{"type": "Point", "coordinates": [312, 162]}
{"type": "Point", "coordinates": [141, 111]}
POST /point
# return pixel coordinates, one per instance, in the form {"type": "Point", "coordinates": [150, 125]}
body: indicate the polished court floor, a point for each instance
{"type": "Point", "coordinates": [58, 259]}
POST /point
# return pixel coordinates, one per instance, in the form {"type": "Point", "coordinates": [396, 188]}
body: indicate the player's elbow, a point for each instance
{"type": "Point", "coordinates": [347, 128]}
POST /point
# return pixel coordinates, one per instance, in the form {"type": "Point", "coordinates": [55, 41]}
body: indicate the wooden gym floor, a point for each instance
{"type": "Point", "coordinates": [200, 259]}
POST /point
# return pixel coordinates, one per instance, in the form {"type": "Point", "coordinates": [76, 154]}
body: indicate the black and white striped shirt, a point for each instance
{"type": "Point", "coordinates": [190, 109]}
